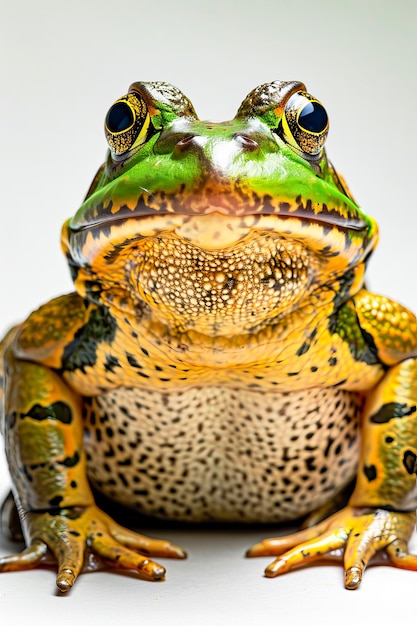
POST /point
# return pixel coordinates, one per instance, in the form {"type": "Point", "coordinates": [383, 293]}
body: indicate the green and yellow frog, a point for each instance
{"type": "Point", "coordinates": [220, 358]}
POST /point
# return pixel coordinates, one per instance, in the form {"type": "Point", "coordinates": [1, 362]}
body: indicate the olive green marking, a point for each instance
{"type": "Point", "coordinates": [391, 410]}
{"type": "Point", "coordinates": [345, 323]}
{"type": "Point", "coordinates": [59, 411]}
{"type": "Point", "coordinates": [344, 286]}
{"type": "Point", "coordinates": [82, 351]}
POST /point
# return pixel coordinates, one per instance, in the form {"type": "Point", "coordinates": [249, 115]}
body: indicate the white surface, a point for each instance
{"type": "Point", "coordinates": [63, 67]}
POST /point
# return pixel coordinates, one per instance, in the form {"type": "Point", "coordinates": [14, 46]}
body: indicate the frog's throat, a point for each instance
{"type": "Point", "coordinates": [219, 292]}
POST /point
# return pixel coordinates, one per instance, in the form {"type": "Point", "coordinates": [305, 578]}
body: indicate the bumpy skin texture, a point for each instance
{"type": "Point", "coordinates": [220, 358]}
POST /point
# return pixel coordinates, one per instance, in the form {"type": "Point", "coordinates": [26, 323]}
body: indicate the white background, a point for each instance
{"type": "Point", "coordinates": [62, 67]}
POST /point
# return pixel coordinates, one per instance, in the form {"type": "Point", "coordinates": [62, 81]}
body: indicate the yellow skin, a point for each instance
{"type": "Point", "coordinates": [212, 255]}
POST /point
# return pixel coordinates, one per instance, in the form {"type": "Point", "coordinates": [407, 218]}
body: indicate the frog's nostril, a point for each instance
{"type": "Point", "coordinates": [246, 142]}
{"type": "Point", "coordinates": [185, 141]}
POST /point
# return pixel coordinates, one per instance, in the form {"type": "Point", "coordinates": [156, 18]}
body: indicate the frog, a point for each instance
{"type": "Point", "coordinates": [221, 359]}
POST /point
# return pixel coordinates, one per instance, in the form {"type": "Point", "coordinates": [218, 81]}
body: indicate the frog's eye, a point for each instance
{"type": "Point", "coordinates": [305, 124]}
{"type": "Point", "coordinates": [127, 125]}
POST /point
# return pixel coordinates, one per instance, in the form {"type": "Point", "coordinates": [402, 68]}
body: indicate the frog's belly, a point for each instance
{"type": "Point", "coordinates": [215, 453]}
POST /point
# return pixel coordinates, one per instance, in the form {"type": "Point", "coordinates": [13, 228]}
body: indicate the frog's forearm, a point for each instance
{"type": "Point", "coordinates": [43, 430]}
{"type": "Point", "coordinates": [388, 462]}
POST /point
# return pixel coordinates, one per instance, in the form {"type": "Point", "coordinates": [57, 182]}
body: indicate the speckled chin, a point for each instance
{"type": "Point", "coordinates": [220, 292]}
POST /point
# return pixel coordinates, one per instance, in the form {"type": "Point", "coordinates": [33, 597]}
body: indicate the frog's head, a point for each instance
{"type": "Point", "coordinates": [217, 227]}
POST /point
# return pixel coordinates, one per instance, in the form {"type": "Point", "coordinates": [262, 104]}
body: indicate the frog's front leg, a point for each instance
{"type": "Point", "coordinates": [44, 444]}
{"type": "Point", "coordinates": [380, 515]}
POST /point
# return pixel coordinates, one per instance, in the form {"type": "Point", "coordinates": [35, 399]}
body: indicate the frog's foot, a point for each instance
{"type": "Point", "coordinates": [352, 535]}
{"type": "Point", "coordinates": [71, 534]}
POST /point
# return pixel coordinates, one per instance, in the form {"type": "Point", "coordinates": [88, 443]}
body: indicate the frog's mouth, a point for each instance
{"type": "Point", "coordinates": [343, 215]}
{"type": "Point", "coordinates": [340, 241]}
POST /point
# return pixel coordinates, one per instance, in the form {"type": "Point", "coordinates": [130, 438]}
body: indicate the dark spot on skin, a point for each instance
{"type": "Point", "coordinates": [125, 463]}
{"type": "Point", "coordinates": [391, 410]}
{"type": "Point", "coordinates": [11, 419]}
{"type": "Point", "coordinates": [82, 350]}
{"type": "Point", "coordinates": [305, 347]}
{"type": "Point", "coordinates": [370, 472]}
{"type": "Point", "coordinates": [389, 439]}
{"type": "Point", "coordinates": [330, 442]}
{"type": "Point", "coordinates": [314, 368]}
{"type": "Point", "coordinates": [370, 353]}
{"type": "Point", "coordinates": [341, 382]}
{"type": "Point", "coordinates": [70, 461]}
{"type": "Point", "coordinates": [309, 462]}
{"type": "Point", "coordinates": [56, 501]}
{"type": "Point", "coordinates": [141, 492]}
{"type": "Point", "coordinates": [123, 480]}
{"type": "Point", "coordinates": [111, 363]}
{"type": "Point", "coordinates": [59, 411]}
{"type": "Point", "coordinates": [112, 256]}
{"type": "Point", "coordinates": [145, 352]}
{"type": "Point", "coordinates": [110, 453]}
{"type": "Point", "coordinates": [73, 484]}
{"type": "Point", "coordinates": [410, 462]}
{"type": "Point", "coordinates": [36, 466]}
{"type": "Point", "coordinates": [332, 361]}
{"type": "Point", "coordinates": [132, 361]}
{"type": "Point", "coordinates": [74, 533]}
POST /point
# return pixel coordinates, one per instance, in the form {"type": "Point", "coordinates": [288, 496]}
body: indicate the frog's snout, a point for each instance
{"type": "Point", "coordinates": [219, 153]}
{"type": "Point", "coordinates": [196, 142]}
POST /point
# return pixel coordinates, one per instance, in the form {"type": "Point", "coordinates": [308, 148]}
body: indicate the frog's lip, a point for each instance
{"type": "Point", "coordinates": [110, 215]}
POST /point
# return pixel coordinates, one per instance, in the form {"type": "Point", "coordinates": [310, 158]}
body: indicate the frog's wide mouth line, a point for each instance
{"type": "Point", "coordinates": [345, 239]}
{"type": "Point", "coordinates": [333, 210]}
{"type": "Point", "coordinates": [325, 217]}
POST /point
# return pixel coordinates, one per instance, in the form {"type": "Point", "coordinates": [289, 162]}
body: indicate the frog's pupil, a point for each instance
{"type": "Point", "coordinates": [313, 118]}
{"type": "Point", "coordinates": [119, 118]}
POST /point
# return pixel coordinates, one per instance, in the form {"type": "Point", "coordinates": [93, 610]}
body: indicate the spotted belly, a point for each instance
{"type": "Point", "coordinates": [216, 453]}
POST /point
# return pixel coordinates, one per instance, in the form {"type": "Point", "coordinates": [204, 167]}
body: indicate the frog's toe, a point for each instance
{"type": "Point", "coordinates": [123, 548]}
{"type": "Point", "coordinates": [28, 559]}
{"type": "Point", "coordinates": [146, 545]}
{"type": "Point", "coordinates": [313, 550]}
{"type": "Point", "coordinates": [400, 557]}
{"type": "Point", "coordinates": [278, 545]}
{"type": "Point", "coordinates": [118, 556]}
